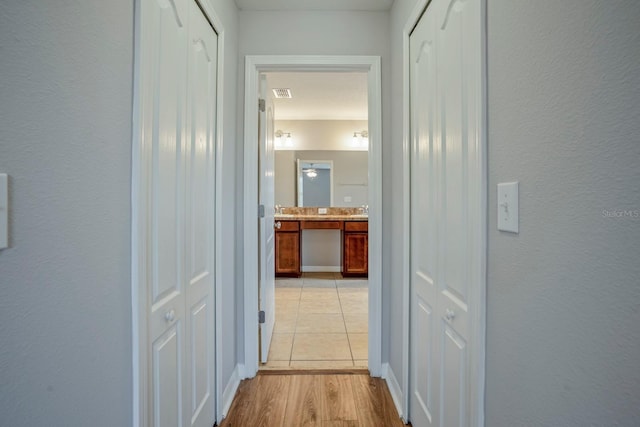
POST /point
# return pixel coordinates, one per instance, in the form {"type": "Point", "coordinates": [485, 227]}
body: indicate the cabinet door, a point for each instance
{"type": "Point", "coordinates": [356, 254]}
{"type": "Point", "coordinates": [288, 253]}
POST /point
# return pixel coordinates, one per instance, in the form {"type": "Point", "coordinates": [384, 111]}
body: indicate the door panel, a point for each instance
{"type": "Point", "coordinates": [200, 244]}
{"type": "Point", "coordinates": [178, 107]}
{"type": "Point", "coordinates": [454, 408]}
{"type": "Point", "coordinates": [200, 359]}
{"type": "Point", "coordinates": [267, 296]}
{"type": "Point", "coordinates": [167, 393]}
{"type": "Point", "coordinates": [356, 253]}
{"type": "Point", "coordinates": [288, 257]}
{"type": "Point", "coordinates": [164, 133]}
{"type": "Point", "coordinates": [453, 98]}
{"type": "Point", "coordinates": [167, 144]}
{"type": "Point", "coordinates": [445, 196]}
{"type": "Point", "coordinates": [423, 392]}
{"type": "Point", "coordinates": [424, 378]}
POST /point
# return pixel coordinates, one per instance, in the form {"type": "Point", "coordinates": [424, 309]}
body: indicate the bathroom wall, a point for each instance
{"type": "Point", "coordinates": [322, 134]}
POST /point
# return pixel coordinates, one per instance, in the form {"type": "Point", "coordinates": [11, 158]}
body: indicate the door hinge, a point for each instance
{"type": "Point", "coordinates": [261, 316]}
{"type": "Point", "coordinates": [261, 105]}
{"type": "Point", "coordinates": [261, 211]}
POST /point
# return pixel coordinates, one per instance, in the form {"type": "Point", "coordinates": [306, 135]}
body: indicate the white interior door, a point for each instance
{"type": "Point", "coordinates": [424, 224]}
{"type": "Point", "coordinates": [446, 225]}
{"type": "Point", "coordinates": [165, 45]}
{"type": "Point", "coordinates": [267, 297]}
{"type": "Point", "coordinates": [200, 221]}
{"type": "Point", "coordinates": [178, 102]}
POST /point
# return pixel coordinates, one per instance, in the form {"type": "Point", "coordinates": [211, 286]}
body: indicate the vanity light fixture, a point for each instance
{"type": "Point", "coordinates": [361, 139]}
{"type": "Point", "coordinates": [283, 140]}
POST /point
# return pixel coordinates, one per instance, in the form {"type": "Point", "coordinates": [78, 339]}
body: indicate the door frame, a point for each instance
{"type": "Point", "coordinates": [139, 223]}
{"type": "Point", "coordinates": [254, 65]}
{"type": "Point", "coordinates": [478, 330]}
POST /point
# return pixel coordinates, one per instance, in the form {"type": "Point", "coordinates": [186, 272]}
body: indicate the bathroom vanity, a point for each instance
{"type": "Point", "coordinates": [354, 241]}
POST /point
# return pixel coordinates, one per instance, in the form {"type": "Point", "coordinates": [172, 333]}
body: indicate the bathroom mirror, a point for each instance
{"type": "Point", "coordinates": [349, 177]}
{"type": "Point", "coordinates": [314, 183]}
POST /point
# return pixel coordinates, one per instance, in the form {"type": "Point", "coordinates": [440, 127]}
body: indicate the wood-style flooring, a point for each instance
{"type": "Point", "coordinates": [324, 400]}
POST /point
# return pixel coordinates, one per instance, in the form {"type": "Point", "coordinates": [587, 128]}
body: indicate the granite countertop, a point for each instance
{"type": "Point", "coordinates": [320, 217]}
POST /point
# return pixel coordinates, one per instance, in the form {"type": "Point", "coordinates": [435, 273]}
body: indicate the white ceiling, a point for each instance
{"type": "Point", "coordinates": [314, 4]}
{"type": "Point", "coordinates": [321, 96]}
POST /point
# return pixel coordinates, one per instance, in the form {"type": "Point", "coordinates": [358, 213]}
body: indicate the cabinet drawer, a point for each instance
{"type": "Point", "coordinates": [321, 225]}
{"type": "Point", "coordinates": [356, 226]}
{"type": "Point", "coordinates": [288, 225]}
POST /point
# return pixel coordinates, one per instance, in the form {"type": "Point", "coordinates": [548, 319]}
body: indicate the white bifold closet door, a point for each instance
{"type": "Point", "coordinates": [446, 189]}
{"type": "Point", "coordinates": [178, 101]}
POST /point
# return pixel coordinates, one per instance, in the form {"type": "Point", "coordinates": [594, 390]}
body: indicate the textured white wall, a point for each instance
{"type": "Point", "coordinates": [65, 140]}
{"type": "Point", "coordinates": [563, 327]}
{"type": "Point", "coordinates": [320, 33]}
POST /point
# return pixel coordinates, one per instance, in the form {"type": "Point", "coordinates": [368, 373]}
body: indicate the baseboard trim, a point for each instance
{"type": "Point", "coordinates": [230, 390]}
{"type": "Point", "coordinates": [394, 389]}
{"type": "Point", "coordinates": [320, 268]}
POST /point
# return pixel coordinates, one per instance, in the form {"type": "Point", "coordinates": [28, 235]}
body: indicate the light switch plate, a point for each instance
{"type": "Point", "coordinates": [322, 211]}
{"type": "Point", "coordinates": [508, 207]}
{"type": "Point", "coordinates": [4, 211]}
{"type": "Point", "coordinates": [347, 199]}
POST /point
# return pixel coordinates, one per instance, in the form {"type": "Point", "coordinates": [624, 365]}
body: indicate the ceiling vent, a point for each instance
{"type": "Point", "coordinates": [282, 93]}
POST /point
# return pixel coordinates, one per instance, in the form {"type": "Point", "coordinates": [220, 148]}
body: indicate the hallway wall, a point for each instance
{"type": "Point", "coordinates": [65, 140]}
{"type": "Point", "coordinates": [563, 298]}
{"type": "Point", "coordinates": [562, 331]}
{"type": "Point", "coordinates": [317, 33]}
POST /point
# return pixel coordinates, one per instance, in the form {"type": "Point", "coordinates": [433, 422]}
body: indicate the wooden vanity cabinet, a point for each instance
{"type": "Point", "coordinates": [355, 249]}
{"type": "Point", "coordinates": [287, 248]}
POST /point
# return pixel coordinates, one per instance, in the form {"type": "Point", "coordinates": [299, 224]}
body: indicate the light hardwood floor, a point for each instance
{"type": "Point", "coordinates": [321, 323]}
{"type": "Point", "coordinates": [328, 400]}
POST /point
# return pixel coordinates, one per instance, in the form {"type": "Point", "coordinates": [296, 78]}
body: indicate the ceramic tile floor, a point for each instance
{"type": "Point", "coordinates": [321, 322]}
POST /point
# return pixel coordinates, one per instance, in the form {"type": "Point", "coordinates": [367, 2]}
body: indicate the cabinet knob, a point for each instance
{"type": "Point", "coordinates": [277, 225]}
{"type": "Point", "coordinates": [170, 315]}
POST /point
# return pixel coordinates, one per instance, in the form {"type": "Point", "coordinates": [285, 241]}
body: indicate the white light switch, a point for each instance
{"type": "Point", "coordinates": [347, 199]}
{"type": "Point", "coordinates": [4, 211]}
{"type": "Point", "coordinates": [322, 211]}
{"type": "Point", "coordinates": [508, 206]}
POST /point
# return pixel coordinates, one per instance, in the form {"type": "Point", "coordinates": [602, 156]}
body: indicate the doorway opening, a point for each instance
{"type": "Point", "coordinates": [324, 318]}
{"type": "Point", "coordinates": [321, 269]}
